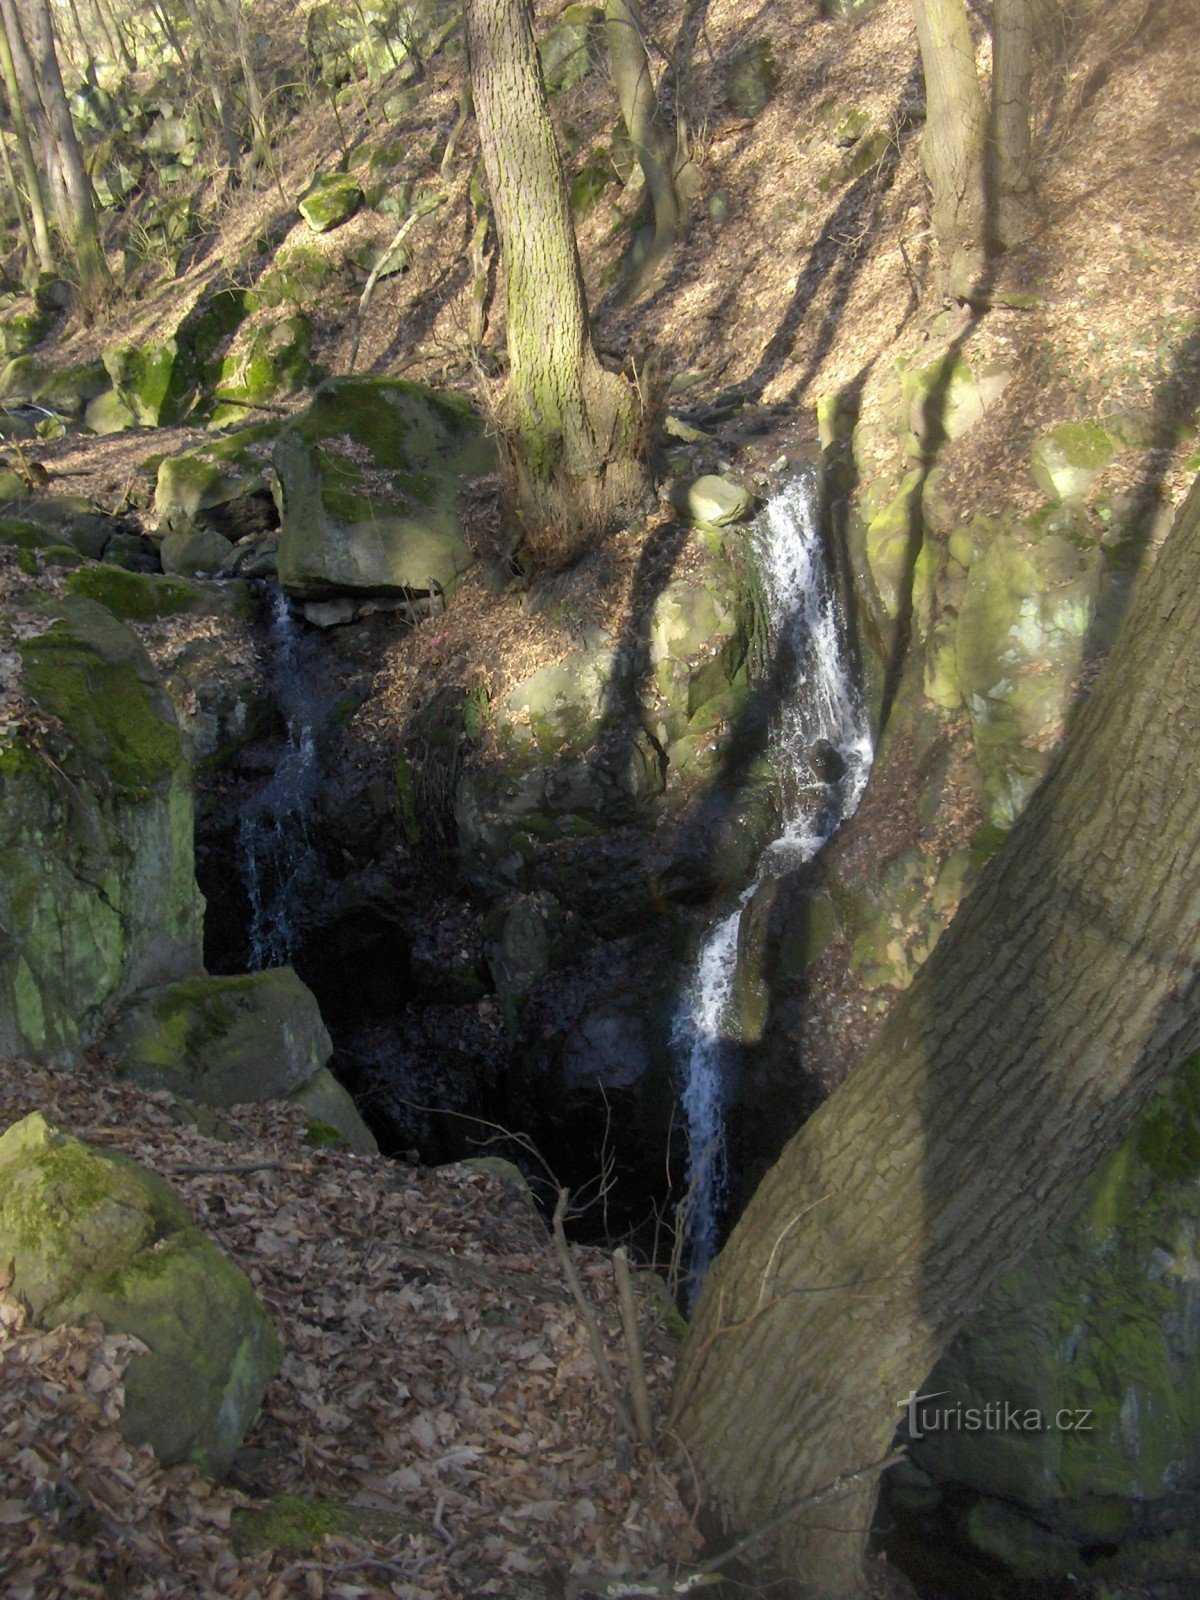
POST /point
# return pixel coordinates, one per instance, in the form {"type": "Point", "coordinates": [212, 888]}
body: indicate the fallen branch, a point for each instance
{"type": "Point", "coordinates": [639, 1393]}
{"type": "Point", "coordinates": [424, 208]}
{"type": "Point", "coordinates": [563, 1252]}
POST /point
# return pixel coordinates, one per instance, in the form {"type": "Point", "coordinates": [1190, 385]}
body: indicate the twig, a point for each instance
{"type": "Point", "coordinates": [240, 1169]}
{"type": "Point", "coordinates": [639, 1394]}
{"type": "Point", "coordinates": [410, 222]}
{"type": "Point", "coordinates": [563, 1252]}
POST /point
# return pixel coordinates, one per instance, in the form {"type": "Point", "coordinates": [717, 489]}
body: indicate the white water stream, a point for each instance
{"type": "Point", "coordinates": [277, 858]}
{"type": "Point", "coordinates": [808, 646]}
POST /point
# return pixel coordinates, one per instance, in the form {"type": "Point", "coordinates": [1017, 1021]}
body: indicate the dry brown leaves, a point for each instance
{"type": "Point", "coordinates": [435, 1370]}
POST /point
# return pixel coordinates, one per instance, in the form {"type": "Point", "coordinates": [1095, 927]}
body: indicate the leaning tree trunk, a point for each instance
{"type": "Point", "coordinates": [1067, 986]}
{"type": "Point", "coordinates": [18, 205]}
{"type": "Point", "coordinates": [953, 147]}
{"type": "Point", "coordinates": [1010, 146]}
{"type": "Point", "coordinates": [78, 215]}
{"type": "Point", "coordinates": [29, 170]}
{"type": "Point", "coordinates": [652, 145]}
{"type": "Point", "coordinates": [570, 426]}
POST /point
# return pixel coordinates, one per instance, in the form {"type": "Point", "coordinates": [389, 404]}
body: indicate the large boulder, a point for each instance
{"type": "Point", "coordinates": [221, 1041]}
{"type": "Point", "coordinates": [223, 485]}
{"type": "Point", "coordinates": [369, 478]}
{"type": "Point", "coordinates": [98, 895]}
{"type": "Point", "coordinates": [91, 1236]}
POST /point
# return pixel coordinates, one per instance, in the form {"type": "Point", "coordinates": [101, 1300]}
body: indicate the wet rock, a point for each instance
{"type": "Point", "coordinates": [826, 763]}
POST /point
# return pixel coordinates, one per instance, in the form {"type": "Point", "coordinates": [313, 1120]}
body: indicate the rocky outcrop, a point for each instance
{"type": "Point", "coordinates": [93, 1236]}
{"type": "Point", "coordinates": [97, 893]}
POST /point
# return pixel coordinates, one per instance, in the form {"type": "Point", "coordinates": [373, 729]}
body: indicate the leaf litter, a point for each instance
{"type": "Point", "coordinates": [438, 1410]}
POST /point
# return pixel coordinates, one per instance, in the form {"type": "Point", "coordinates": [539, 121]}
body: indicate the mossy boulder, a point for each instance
{"type": "Point", "coordinates": [94, 1236]}
{"type": "Point", "coordinates": [1098, 1322]}
{"type": "Point", "coordinates": [214, 484]}
{"type": "Point", "coordinates": [222, 1041]}
{"type": "Point", "coordinates": [698, 636]}
{"type": "Point", "coordinates": [192, 552]}
{"type": "Point", "coordinates": [713, 501]}
{"type": "Point", "coordinates": [1023, 624]}
{"type": "Point", "coordinates": [152, 381]}
{"type": "Point", "coordinates": [369, 478]}
{"type": "Point", "coordinates": [21, 329]}
{"type": "Point", "coordinates": [1069, 459]}
{"type": "Point", "coordinates": [108, 413]}
{"type": "Point", "coordinates": [276, 362]}
{"type": "Point", "coordinates": [67, 391]}
{"type": "Point", "coordinates": [946, 398]}
{"type": "Point", "coordinates": [98, 895]}
{"type": "Point", "coordinates": [571, 48]}
{"type": "Point", "coordinates": [136, 596]}
{"type": "Point", "coordinates": [330, 201]}
{"type": "Point", "coordinates": [750, 79]}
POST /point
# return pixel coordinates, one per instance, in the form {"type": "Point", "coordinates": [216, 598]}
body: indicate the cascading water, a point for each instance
{"type": "Point", "coordinates": [819, 708]}
{"type": "Point", "coordinates": [277, 860]}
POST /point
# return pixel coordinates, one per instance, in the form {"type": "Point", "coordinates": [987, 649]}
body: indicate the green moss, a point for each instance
{"type": "Point", "coordinates": [295, 1526]}
{"type": "Point", "coordinates": [96, 680]}
{"type": "Point", "coordinates": [325, 1135]}
{"type": "Point", "coordinates": [135, 596]}
{"type": "Point", "coordinates": [1167, 1138]}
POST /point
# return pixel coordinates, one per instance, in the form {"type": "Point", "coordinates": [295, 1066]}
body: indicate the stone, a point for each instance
{"type": "Point", "coordinates": [947, 398]}
{"type": "Point", "coordinates": [276, 363]}
{"type": "Point", "coordinates": [98, 894]}
{"type": "Point", "coordinates": [108, 414]}
{"type": "Point", "coordinates": [330, 201]}
{"type": "Point", "coordinates": [333, 613]}
{"type": "Point", "coordinates": [21, 329]}
{"type": "Point", "coordinates": [222, 1041]}
{"type": "Point", "coordinates": [714, 501]}
{"type": "Point", "coordinates": [222, 700]}
{"type": "Point", "coordinates": [222, 484]}
{"type": "Point", "coordinates": [750, 79]}
{"type": "Point", "coordinates": [1069, 459]}
{"type": "Point", "coordinates": [66, 392]}
{"type": "Point", "coordinates": [333, 1116]}
{"type": "Point", "coordinates": [94, 1236]}
{"type": "Point", "coordinates": [570, 49]}
{"type": "Point", "coordinates": [136, 596]}
{"type": "Point", "coordinates": [1098, 1317]}
{"type": "Point", "coordinates": [150, 380]}
{"type": "Point", "coordinates": [190, 552]}
{"type": "Point", "coordinates": [369, 483]}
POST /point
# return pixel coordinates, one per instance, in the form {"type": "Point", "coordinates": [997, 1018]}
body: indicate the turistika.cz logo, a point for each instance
{"type": "Point", "coordinates": [995, 1416]}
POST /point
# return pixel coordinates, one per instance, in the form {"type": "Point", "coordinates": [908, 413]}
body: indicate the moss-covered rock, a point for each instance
{"type": "Point", "coordinates": [390, 527]}
{"type": "Point", "coordinates": [330, 201]}
{"type": "Point", "coordinates": [192, 552]}
{"type": "Point", "coordinates": [206, 484]}
{"type": "Point", "coordinates": [21, 329]}
{"type": "Point", "coordinates": [95, 1236]}
{"type": "Point", "coordinates": [713, 501]}
{"type": "Point", "coordinates": [136, 596]}
{"type": "Point", "coordinates": [97, 892]}
{"type": "Point", "coordinates": [1097, 1323]}
{"type": "Point", "coordinates": [571, 48]}
{"type": "Point", "coordinates": [277, 362]}
{"type": "Point", "coordinates": [108, 414]}
{"type": "Point", "coordinates": [152, 381]}
{"type": "Point", "coordinates": [222, 1041]}
{"type": "Point", "coordinates": [750, 79]}
{"type": "Point", "coordinates": [1069, 459]}
{"type": "Point", "coordinates": [66, 391]}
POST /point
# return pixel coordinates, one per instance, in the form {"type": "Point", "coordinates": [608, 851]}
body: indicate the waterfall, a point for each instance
{"type": "Point", "coordinates": [821, 708]}
{"type": "Point", "coordinates": [278, 863]}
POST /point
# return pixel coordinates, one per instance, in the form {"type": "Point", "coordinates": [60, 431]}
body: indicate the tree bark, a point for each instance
{"type": "Point", "coordinates": [112, 24]}
{"type": "Point", "coordinates": [1010, 147]}
{"type": "Point", "coordinates": [203, 52]}
{"type": "Point", "coordinates": [78, 216]}
{"type": "Point", "coordinates": [651, 143]}
{"type": "Point", "coordinates": [1066, 988]}
{"type": "Point", "coordinates": [29, 169]}
{"type": "Point", "coordinates": [571, 428]}
{"type": "Point", "coordinates": [953, 148]}
{"type": "Point", "coordinates": [18, 203]}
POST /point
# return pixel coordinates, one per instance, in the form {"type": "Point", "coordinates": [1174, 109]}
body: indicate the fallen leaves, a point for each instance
{"type": "Point", "coordinates": [436, 1374]}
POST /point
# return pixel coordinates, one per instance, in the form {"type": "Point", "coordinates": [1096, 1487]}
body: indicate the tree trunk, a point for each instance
{"type": "Point", "coordinates": [571, 427]}
{"type": "Point", "coordinates": [18, 203]}
{"type": "Point", "coordinates": [1065, 989]}
{"type": "Point", "coordinates": [953, 148]}
{"type": "Point", "coordinates": [79, 212]}
{"type": "Point", "coordinates": [203, 51]}
{"type": "Point", "coordinates": [112, 29]}
{"type": "Point", "coordinates": [1010, 146]}
{"type": "Point", "coordinates": [29, 170]}
{"type": "Point", "coordinates": [651, 143]}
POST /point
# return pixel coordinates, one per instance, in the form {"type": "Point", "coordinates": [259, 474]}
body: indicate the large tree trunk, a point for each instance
{"type": "Point", "coordinates": [29, 170]}
{"type": "Point", "coordinates": [1010, 147]}
{"type": "Point", "coordinates": [1067, 986]}
{"type": "Point", "coordinates": [78, 213]}
{"type": "Point", "coordinates": [953, 147]}
{"type": "Point", "coordinates": [571, 427]}
{"type": "Point", "coordinates": [653, 146]}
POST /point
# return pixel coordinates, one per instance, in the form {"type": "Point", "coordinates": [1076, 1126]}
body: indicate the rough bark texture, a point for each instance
{"type": "Point", "coordinates": [78, 213]}
{"type": "Point", "coordinates": [1010, 148]}
{"type": "Point", "coordinates": [29, 170]}
{"type": "Point", "coordinates": [571, 426]}
{"type": "Point", "coordinates": [953, 148]}
{"type": "Point", "coordinates": [1065, 989]}
{"type": "Point", "coordinates": [653, 146]}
